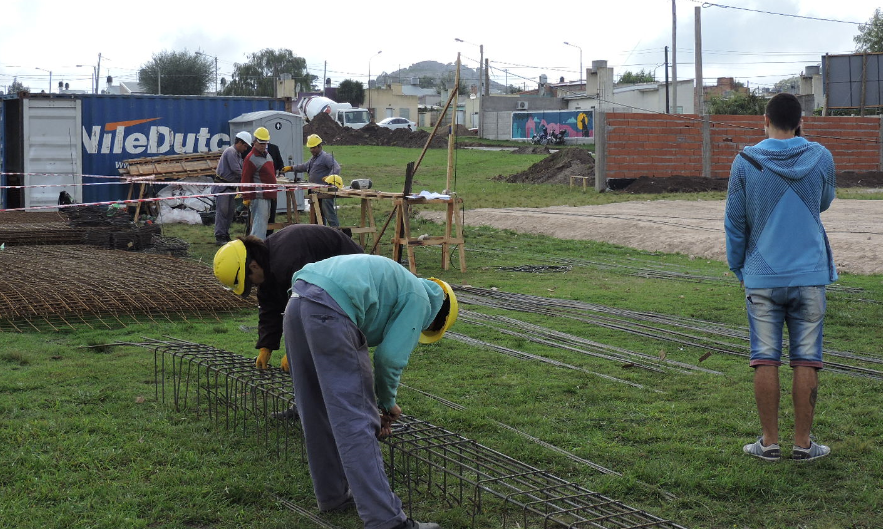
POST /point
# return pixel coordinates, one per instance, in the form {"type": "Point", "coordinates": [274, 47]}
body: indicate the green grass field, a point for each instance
{"type": "Point", "coordinates": [87, 443]}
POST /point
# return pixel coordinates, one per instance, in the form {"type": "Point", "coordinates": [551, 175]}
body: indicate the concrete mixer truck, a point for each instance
{"type": "Point", "coordinates": [343, 113]}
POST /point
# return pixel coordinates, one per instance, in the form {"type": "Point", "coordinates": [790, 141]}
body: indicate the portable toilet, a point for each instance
{"type": "Point", "coordinates": [286, 132]}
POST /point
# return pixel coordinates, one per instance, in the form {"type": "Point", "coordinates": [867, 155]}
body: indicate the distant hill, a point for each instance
{"type": "Point", "coordinates": [431, 73]}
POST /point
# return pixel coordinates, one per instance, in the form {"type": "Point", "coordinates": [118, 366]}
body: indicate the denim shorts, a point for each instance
{"type": "Point", "coordinates": [801, 309]}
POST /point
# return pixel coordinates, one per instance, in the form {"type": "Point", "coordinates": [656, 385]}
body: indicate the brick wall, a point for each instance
{"type": "Point", "coordinates": [665, 145]}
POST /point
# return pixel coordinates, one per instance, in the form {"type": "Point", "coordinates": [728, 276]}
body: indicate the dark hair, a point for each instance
{"type": "Point", "coordinates": [441, 316]}
{"type": "Point", "coordinates": [256, 250]}
{"type": "Point", "coordinates": [784, 111]}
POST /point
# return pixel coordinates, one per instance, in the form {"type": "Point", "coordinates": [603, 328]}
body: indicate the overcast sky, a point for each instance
{"type": "Point", "coordinates": [522, 39]}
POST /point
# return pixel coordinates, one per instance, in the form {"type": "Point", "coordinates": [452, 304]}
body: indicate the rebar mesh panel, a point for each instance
{"type": "Point", "coordinates": [65, 285]}
{"type": "Point", "coordinates": [23, 217]}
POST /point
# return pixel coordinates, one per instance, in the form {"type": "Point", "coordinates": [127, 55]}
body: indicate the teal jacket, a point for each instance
{"type": "Point", "coordinates": [389, 304]}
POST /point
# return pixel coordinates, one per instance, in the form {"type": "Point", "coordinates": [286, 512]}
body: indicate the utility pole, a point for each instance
{"type": "Point", "coordinates": [481, 89]}
{"type": "Point", "coordinates": [98, 76]}
{"type": "Point", "coordinates": [667, 108]}
{"type": "Point", "coordinates": [699, 94]}
{"type": "Point", "coordinates": [674, 57]}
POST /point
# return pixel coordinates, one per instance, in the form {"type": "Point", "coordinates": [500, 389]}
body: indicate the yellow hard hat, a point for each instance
{"type": "Point", "coordinates": [313, 140]}
{"type": "Point", "coordinates": [229, 266]}
{"type": "Point", "coordinates": [262, 135]}
{"type": "Point", "coordinates": [428, 336]}
{"type": "Point", "coordinates": [334, 180]}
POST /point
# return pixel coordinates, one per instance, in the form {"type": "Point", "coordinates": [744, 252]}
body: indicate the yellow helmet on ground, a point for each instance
{"type": "Point", "coordinates": [262, 135]}
{"type": "Point", "coordinates": [334, 180]}
{"type": "Point", "coordinates": [313, 140]}
{"type": "Point", "coordinates": [431, 336]}
{"type": "Point", "coordinates": [229, 266]}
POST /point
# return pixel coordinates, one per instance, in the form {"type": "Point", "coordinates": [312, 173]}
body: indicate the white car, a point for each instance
{"type": "Point", "coordinates": [397, 123]}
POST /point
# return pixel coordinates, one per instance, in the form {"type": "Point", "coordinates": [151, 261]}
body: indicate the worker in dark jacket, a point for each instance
{"type": "Point", "coordinates": [270, 264]}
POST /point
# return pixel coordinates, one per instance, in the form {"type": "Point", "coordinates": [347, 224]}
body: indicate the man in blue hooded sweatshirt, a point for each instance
{"type": "Point", "coordinates": [777, 247]}
{"type": "Point", "coordinates": [338, 308]}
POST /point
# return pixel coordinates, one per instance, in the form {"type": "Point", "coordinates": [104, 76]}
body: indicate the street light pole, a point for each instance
{"type": "Point", "coordinates": [50, 77]}
{"type": "Point", "coordinates": [216, 68]}
{"type": "Point", "coordinates": [94, 77]}
{"type": "Point", "coordinates": [370, 108]}
{"type": "Point", "coordinates": [580, 60]}
{"type": "Point", "coordinates": [481, 85]}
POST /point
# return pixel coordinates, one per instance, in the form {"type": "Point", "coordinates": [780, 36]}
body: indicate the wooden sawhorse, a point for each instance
{"type": "Point", "coordinates": [402, 234]}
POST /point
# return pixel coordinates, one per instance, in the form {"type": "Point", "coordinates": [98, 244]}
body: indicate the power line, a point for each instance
{"type": "Point", "coordinates": [709, 4]}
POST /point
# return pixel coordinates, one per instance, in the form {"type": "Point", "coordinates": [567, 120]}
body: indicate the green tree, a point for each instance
{"type": "Point", "coordinates": [447, 80]}
{"type": "Point", "coordinates": [790, 85]}
{"type": "Point", "coordinates": [633, 78]}
{"type": "Point", "coordinates": [177, 73]}
{"type": "Point", "coordinates": [350, 91]}
{"type": "Point", "coordinates": [16, 87]}
{"type": "Point", "coordinates": [426, 81]}
{"type": "Point", "coordinates": [737, 104]}
{"type": "Point", "coordinates": [258, 76]}
{"type": "Point", "coordinates": [870, 35]}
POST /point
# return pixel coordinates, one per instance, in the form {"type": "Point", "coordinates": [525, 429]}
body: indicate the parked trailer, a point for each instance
{"type": "Point", "coordinates": [85, 139]}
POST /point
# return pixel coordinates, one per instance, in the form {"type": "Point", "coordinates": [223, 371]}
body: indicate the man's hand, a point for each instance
{"type": "Point", "coordinates": [263, 358]}
{"type": "Point", "coordinates": [286, 169]}
{"type": "Point", "coordinates": [387, 417]}
{"type": "Point", "coordinates": [284, 363]}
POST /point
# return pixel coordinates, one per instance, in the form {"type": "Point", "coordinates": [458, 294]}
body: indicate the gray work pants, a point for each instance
{"type": "Point", "coordinates": [260, 216]}
{"type": "Point", "coordinates": [225, 210]}
{"type": "Point", "coordinates": [329, 211]}
{"type": "Point", "coordinates": [334, 392]}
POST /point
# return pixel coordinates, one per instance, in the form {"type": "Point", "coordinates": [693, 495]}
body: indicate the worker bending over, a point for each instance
{"type": "Point", "coordinates": [270, 264]}
{"type": "Point", "coordinates": [338, 308]}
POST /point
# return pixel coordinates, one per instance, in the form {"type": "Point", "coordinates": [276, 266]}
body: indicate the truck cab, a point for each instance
{"type": "Point", "coordinates": [355, 118]}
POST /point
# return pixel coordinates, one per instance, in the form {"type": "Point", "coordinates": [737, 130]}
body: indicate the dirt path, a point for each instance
{"type": "Point", "coordinates": [855, 227]}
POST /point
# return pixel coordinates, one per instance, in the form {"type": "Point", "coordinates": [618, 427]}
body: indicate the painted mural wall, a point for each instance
{"type": "Point", "coordinates": [577, 123]}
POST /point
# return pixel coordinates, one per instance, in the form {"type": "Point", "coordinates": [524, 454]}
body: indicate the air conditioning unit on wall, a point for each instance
{"type": "Point", "coordinates": [521, 105]}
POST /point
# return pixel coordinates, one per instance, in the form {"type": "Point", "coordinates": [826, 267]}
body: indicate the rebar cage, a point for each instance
{"type": "Point", "coordinates": [425, 463]}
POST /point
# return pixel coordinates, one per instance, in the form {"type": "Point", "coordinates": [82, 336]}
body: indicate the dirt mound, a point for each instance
{"type": "Point", "coordinates": [463, 131]}
{"type": "Point", "coordinates": [556, 168]}
{"type": "Point", "coordinates": [324, 126]}
{"type": "Point", "coordinates": [532, 149]}
{"type": "Point", "coordinates": [675, 184]}
{"type": "Point", "coordinates": [333, 134]}
{"type": "Point", "coordinates": [852, 179]}
{"type": "Point", "coordinates": [698, 184]}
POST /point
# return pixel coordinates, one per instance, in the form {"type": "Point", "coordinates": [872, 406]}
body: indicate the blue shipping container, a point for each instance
{"type": "Point", "coordinates": [118, 128]}
{"type": "Point", "coordinates": [107, 129]}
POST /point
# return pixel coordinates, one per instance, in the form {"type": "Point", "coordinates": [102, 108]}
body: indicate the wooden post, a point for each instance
{"type": "Point", "coordinates": [452, 135]}
{"type": "Point", "coordinates": [438, 122]}
{"type": "Point", "coordinates": [403, 228]}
